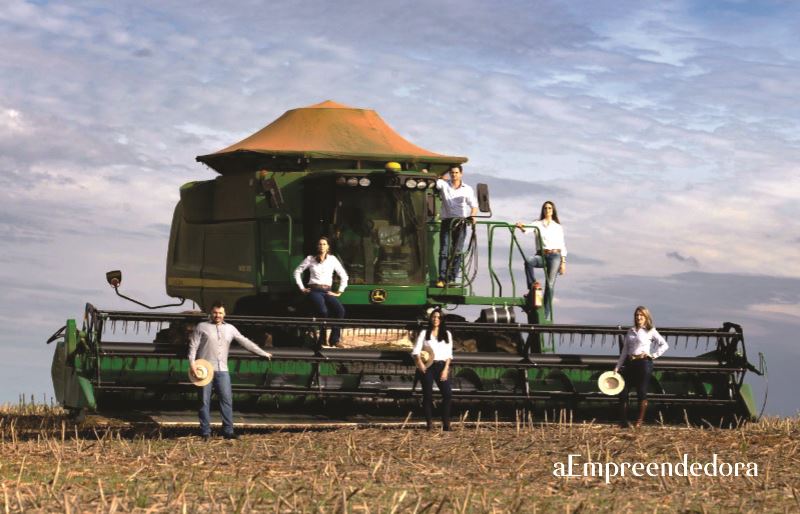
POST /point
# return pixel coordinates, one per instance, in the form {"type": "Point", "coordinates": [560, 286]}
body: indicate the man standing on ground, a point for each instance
{"type": "Point", "coordinates": [212, 340]}
{"type": "Point", "coordinates": [459, 205]}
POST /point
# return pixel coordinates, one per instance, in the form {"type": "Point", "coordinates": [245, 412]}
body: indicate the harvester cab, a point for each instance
{"type": "Point", "coordinates": [239, 237]}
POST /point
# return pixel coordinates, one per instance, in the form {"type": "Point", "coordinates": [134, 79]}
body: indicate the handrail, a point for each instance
{"type": "Point", "coordinates": [496, 286]}
{"type": "Point", "coordinates": [539, 244]}
{"type": "Point", "coordinates": [514, 242]}
{"type": "Point", "coordinates": [288, 250]}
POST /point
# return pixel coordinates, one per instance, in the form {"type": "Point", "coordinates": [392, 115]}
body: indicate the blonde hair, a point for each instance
{"type": "Point", "coordinates": [648, 318]}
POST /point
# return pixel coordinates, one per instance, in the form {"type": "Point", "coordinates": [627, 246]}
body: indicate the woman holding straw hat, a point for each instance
{"type": "Point", "coordinates": [437, 341]}
{"type": "Point", "coordinates": [642, 345]}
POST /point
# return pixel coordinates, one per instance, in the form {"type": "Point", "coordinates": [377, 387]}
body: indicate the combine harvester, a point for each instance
{"type": "Point", "coordinates": [342, 172]}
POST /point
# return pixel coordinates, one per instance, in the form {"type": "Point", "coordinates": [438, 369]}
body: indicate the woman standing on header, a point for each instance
{"type": "Point", "coordinates": [438, 342]}
{"type": "Point", "coordinates": [552, 255]}
{"type": "Point", "coordinates": [642, 345]}
{"type": "Point", "coordinates": [326, 302]}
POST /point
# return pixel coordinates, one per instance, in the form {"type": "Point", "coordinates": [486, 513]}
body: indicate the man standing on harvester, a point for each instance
{"type": "Point", "coordinates": [459, 206]}
{"type": "Point", "coordinates": [212, 340]}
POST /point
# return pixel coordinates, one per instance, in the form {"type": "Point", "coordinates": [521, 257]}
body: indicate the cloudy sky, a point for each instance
{"type": "Point", "coordinates": [668, 134]}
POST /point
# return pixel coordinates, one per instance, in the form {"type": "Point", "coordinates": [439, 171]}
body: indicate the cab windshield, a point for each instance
{"type": "Point", "coordinates": [380, 235]}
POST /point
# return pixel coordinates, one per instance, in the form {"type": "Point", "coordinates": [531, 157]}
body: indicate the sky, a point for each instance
{"type": "Point", "coordinates": [667, 133]}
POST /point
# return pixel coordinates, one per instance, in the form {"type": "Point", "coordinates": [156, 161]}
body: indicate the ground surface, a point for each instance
{"type": "Point", "coordinates": [50, 465]}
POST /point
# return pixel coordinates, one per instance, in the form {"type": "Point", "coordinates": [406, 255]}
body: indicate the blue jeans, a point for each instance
{"type": "Point", "coordinates": [452, 234]}
{"type": "Point", "coordinates": [433, 373]}
{"type": "Point", "coordinates": [553, 263]}
{"type": "Point", "coordinates": [221, 383]}
{"type": "Point", "coordinates": [636, 374]}
{"type": "Point", "coordinates": [326, 306]}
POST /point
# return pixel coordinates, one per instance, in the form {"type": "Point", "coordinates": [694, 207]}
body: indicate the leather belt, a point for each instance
{"type": "Point", "coordinates": [639, 357]}
{"type": "Point", "coordinates": [548, 252]}
{"type": "Point", "coordinates": [319, 286]}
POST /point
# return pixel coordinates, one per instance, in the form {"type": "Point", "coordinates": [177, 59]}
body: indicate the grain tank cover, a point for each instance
{"type": "Point", "coordinates": [327, 130]}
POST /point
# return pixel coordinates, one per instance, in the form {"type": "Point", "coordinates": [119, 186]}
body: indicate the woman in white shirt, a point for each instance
{"type": "Point", "coordinates": [326, 302]}
{"type": "Point", "coordinates": [438, 342]}
{"type": "Point", "coordinates": [642, 345]}
{"type": "Point", "coordinates": [552, 256]}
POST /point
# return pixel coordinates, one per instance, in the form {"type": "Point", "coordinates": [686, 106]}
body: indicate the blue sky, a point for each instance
{"type": "Point", "coordinates": [668, 134]}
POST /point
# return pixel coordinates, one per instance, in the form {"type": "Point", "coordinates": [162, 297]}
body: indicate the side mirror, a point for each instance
{"type": "Point", "coordinates": [114, 278]}
{"type": "Point", "coordinates": [483, 198]}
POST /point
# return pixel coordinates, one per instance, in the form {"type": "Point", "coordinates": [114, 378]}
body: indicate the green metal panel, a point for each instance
{"type": "Point", "coordinates": [395, 295]}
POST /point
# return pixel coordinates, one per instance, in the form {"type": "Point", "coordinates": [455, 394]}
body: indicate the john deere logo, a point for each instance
{"type": "Point", "coordinates": [377, 295]}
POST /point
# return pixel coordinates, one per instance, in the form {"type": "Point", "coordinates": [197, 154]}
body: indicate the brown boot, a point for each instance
{"type": "Point", "coordinates": [642, 410]}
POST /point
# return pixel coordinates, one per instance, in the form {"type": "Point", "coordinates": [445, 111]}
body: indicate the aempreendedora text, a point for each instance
{"type": "Point", "coordinates": [577, 467]}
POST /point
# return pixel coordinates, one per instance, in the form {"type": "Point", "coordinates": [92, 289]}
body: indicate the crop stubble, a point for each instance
{"type": "Point", "coordinates": [49, 464]}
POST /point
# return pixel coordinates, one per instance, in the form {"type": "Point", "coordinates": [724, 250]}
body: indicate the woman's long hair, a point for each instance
{"type": "Point", "coordinates": [442, 326]}
{"type": "Point", "coordinates": [316, 251]}
{"type": "Point", "coordinates": [555, 212]}
{"type": "Point", "coordinates": [648, 318]}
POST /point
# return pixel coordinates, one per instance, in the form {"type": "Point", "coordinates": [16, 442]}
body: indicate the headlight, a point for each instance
{"type": "Point", "coordinates": [431, 184]}
{"type": "Point", "coordinates": [422, 184]}
{"type": "Point", "coordinates": [411, 183]}
{"type": "Point", "coordinates": [340, 181]}
{"type": "Point", "coordinates": [352, 182]}
{"type": "Point", "coordinates": [364, 182]}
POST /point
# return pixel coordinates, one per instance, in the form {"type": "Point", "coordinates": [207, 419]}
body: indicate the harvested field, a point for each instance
{"type": "Point", "coordinates": [50, 465]}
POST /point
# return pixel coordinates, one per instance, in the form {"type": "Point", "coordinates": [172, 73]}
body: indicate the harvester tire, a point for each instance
{"type": "Point", "coordinates": [77, 415]}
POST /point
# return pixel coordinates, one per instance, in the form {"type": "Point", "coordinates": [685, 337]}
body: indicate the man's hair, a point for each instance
{"type": "Point", "coordinates": [218, 304]}
{"type": "Point", "coordinates": [456, 166]}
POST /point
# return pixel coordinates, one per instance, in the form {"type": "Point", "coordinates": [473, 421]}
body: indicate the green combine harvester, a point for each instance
{"type": "Point", "coordinates": [343, 173]}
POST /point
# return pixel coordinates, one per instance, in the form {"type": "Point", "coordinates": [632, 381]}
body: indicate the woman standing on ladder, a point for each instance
{"type": "Point", "coordinates": [552, 256]}
{"type": "Point", "coordinates": [326, 302]}
{"type": "Point", "coordinates": [438, 342]}
{"type": "Point", "coordinates": [636, 361]}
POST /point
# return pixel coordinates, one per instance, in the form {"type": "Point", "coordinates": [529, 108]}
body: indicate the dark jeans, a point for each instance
{"type": "Point", "coordinates": [434, 372]}
{"type": "Point", "coordinates": [553, 264]}
{"type": "Point", "coordinates": [221, 384]}
{"type": "Point", "coordinates": [327, 306]}
{"type": "Point", "coordinates": [636, 374]}
{"type": "Point", "coordinates": [452, 234]}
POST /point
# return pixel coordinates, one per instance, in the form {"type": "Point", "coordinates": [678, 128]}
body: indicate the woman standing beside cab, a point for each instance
{"type": "Point", "coordinates": [438, 342]}
{"type": "Point", "coordinates": [552, 256]}
{"type": "Point", "coordinates": [642, 345]}
{"type": "Point", "coordinates": [326, 302]}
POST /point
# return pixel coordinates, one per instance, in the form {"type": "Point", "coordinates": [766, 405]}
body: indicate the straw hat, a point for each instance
{"type": "Point", "coordinates": [427, 357]}
{"type": "Point", "coordinates": [204, 373]}
{"type": "Point", "coordinates": [611, 383]}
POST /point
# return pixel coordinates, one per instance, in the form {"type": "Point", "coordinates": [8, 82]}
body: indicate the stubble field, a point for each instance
{"type": "Point", "coordinates": [51, 465]}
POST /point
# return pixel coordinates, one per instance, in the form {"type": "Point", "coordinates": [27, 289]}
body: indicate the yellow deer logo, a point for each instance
{"type": "Point", "coordinates": [377, 295]}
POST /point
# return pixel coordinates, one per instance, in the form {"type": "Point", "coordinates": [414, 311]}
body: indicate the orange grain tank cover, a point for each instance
{"type": "Point", "coordinates": [327, 130]}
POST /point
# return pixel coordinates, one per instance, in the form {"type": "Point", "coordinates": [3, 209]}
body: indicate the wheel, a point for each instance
{"type": "Point", "coordinates": [77, 415]}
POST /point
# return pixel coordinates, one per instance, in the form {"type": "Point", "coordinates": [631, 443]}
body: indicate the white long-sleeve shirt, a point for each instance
{"type": "Point", "coordinates": [456, 202]}
{"type": "Point", "coordinates": [441, 351]}
{"type": "Point", "coordinates": [552, 236]}
{"type": "Point", "coordinates": [321, 272]}
{"type": "Point", "coordinates": [639, 341]}
{"type": "Point", "coordinates": [213, 342]}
